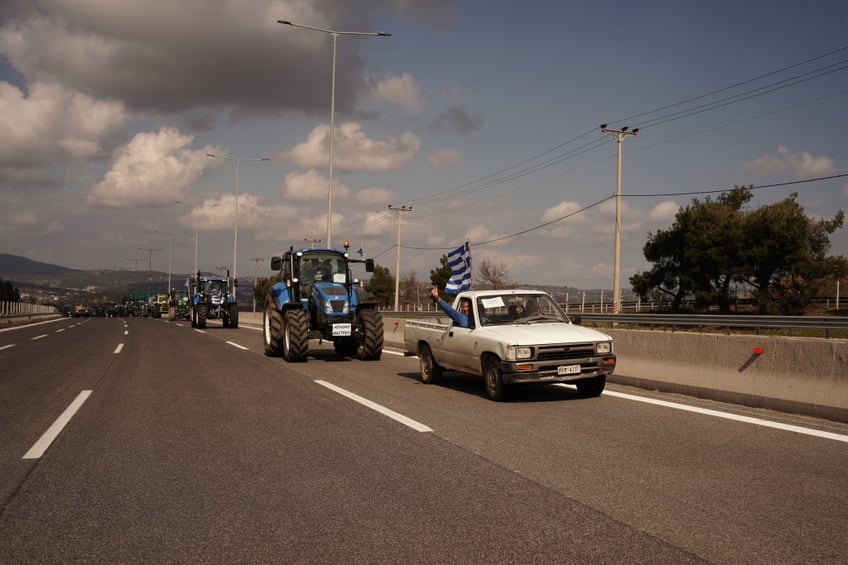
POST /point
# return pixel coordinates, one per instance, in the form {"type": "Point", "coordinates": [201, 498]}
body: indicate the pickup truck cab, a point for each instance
{"type": "Point", "coordinates": [507, 346]}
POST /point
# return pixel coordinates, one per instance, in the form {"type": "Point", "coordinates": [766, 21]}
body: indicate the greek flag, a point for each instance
{"type": "Point", "coordinates": [460, 263]}
{"type": "Point", "coordinates": [361, 250]}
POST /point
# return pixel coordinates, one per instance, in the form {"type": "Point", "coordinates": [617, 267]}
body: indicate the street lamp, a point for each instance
{"type": "Point", "coordinates": [400, 210]}
{"type": "Point", "coordinates": [616, 285]}
{"type": "Point", "coordinates": [238, 161]}
{"type": "Point", "coordinates": [170, 253]}
{"type": "Point", "coordinates": [335, 35]}
{"type": "Point", "coordinates": [196, 229]}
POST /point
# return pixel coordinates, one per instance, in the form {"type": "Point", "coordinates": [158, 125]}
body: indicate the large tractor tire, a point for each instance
{"type": "Point", "coordinates": [295, 335]}
{"type": "Point", "coordinates": [272, 328]}
{"type": "Point", "coordinates": [232, 310]}
{"type": "Point", "coordinates": [201, 316]}
{"type": "Point", "coordinates": [371, 344]}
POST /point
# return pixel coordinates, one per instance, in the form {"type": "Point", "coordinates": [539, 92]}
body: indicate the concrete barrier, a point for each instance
{"type": "Point", "coordinates": [791, 374]}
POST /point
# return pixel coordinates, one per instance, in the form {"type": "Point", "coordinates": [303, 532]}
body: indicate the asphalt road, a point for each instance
{"type": "Point", "coordinates": [193, 446]}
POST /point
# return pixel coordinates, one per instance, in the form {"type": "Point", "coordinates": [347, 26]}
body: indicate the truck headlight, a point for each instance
{"type": "Point", "coordinates": [603, 347]}
{"type": "Point", "coordinates": [514, 353]}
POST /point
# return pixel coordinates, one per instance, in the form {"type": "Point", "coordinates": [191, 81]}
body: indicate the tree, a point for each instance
{"type": "Point", "coordinates": [490, 275]}
{"type": "Point", "coordinates": [775, 250]}
{"type": "Point", "coordinates": [410, 289]}
{"type": "Point", "coordinates": [260, 291]}
{"type": "Point", "coordinates": [440, 277]}
{"type": "Point", "coordinates": [9, 292]}
{"type": "Point", "coordinates": [381, 285]}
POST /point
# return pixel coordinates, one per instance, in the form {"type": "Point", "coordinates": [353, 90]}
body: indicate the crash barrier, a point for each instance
{"type": "Point", "coordinates": [798, 375]}
{"type": "Point", "coordinates": [13, 312]}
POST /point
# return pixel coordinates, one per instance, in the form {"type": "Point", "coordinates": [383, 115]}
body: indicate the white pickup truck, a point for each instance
{"type": "Point", "coordinates": [519, 336]}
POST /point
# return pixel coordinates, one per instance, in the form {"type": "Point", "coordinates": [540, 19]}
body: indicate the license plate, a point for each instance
{"type": "Point", "coordinates": [341, 330]}
{"type": "Point", "coordinates": [568, 370]}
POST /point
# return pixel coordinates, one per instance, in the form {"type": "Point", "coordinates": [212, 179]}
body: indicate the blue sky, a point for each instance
{"type": "Point", "coordinates": [482, 115]}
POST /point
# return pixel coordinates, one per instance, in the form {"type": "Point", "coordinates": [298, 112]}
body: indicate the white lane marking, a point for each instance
{"type": "Point", "coordinates": [234, 344]}
{"type": "Point", "coordinates": [38, 449]}
{"type": "Point", "coordinates": [119, 348]}
{"type": "Point", "coordinates": [60, 330]}
{"type": "Point", "coordinates": [126, 332]}
{"type": "Point", "coordinates": [377, 407]}
{"type": "Point", "coordinates": [728, 416]}
{"type": "Point", "coordinates": [199, 331]}
{"type": "Point", "coordinates": [393, 352]}
{"type": "Point", "coordinates": [7, 346]}
{"type": "Point", "coordinates": [180, 325]}
{"type": "Point", "coordinates": [38, 337]}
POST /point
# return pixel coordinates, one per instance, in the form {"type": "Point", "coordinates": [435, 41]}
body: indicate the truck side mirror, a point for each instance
{"type": "Point", "coordinates": [276, 263]}
{"type": "Point", "coordinates": [369, 265]}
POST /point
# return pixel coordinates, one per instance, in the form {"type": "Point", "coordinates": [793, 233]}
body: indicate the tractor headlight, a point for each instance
{"type": "Point", "coordinates": [514, 353]}
{"type": "Point", "coordinates": [603, 347]}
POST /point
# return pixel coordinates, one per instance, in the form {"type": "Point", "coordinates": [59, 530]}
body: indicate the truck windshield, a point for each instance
{"type": "Point", "coordinates": [322, 266]}
{"type": "Point", "coordinates": [518, 309]}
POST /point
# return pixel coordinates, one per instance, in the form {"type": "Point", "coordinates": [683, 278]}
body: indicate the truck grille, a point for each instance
{"type": "Point", "coordinates": [338, 305]}
{"type": "Point", "coordinates": [573, 351]}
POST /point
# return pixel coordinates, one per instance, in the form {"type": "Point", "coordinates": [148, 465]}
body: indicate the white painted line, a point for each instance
{"type": "Point", "coordinates": [180, 325]}
{"type": "Point", "coordinates": [199, 331]}
{"type": "Point", "coordinates": [37, 450]}
{"type": "Point", "coordinates": [728, 416]}
{"type": "Point", "coordinates": [119, 348]}
{"type": "Point", "coordinates": [381, 409]}
{"type": "Point", "coordinates": [400, 353]}
{"type": "Point", "coordinates": [237, 345]}
{"type": "Point", "coordinates": [38, 337]}
{"type": "Point", "coordinates": [7, 346]}
{"type": "Point", "coordinates": [60, 330]}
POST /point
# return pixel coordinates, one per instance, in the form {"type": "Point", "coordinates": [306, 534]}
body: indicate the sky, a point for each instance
{"type": "Point", "coordinates": [483, 116]}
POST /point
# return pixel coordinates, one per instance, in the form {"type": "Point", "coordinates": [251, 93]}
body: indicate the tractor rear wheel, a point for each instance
{"type": "Point", "coordinates": [201, 316]}
{"type": "Point", "coordinates": [233, 310]}
{"type": "Point", "coordinates": [272, 328]}
{"type": "Point", "coordinates": [371, 343]}
{"type": "Point", "coordinates": [295, 335]}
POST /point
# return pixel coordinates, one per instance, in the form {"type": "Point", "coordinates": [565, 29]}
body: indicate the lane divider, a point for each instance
{"type": "Point", "coordinates": [234, 344]}
{"type": "Point", "coordinates": [417, 426]}
{"type": "Point", "coordinates": [38, 449]}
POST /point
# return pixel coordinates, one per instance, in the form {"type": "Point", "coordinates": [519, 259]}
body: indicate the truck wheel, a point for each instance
{"type": "Point", "coordinates": [431, 373]}
{"type": "Point", "coordinates": [172, 314]}
{"type": "Point", "coordinates": [233, 314]}
{"type": "Point", "coordinates": [272, 328]}
{"type": "Point", "coordinates": [201, 316]}
{"type": "Point", "coordinates": [494, 378]}
{"type": "Point", "coordinates": [193, 315]}
{"type": "Point", "coordinates": [295, 335]}
{"type": "Point", "coordinates": [592, 387]}
{"type": "Point", "coordinates": [371, 343]}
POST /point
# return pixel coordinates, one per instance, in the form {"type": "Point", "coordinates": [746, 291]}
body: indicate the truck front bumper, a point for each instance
{"type": "Point", "coordinates": [552, 371]}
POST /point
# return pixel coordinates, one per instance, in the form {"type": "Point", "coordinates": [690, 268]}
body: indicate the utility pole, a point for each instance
{"type": "Point", "coordinates": [400, 210]}
{"type": "Point", "coordinates": [255, 273]}
{"type": "Point", "coordinates": [311, 242]}
{"type": "Point", "coordinates": [134, 260]}
{"type": "Point", "coordinates": [149, 256]}
{"type": "Point", "coordinates": [616, 285]}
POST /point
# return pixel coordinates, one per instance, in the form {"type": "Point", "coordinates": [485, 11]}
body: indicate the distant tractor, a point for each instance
{"type": "Point", "coordinates": [179, 305]}
{"type": "Point", "coordinates": [212, 300]}
{"type": "Point", "coordinates": [318, 298]}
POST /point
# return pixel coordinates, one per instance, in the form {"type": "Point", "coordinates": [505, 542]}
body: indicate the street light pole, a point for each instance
{"type": "Point", "coordinates": [400, 210]}
{"type": "Point", "coordinates": [196, 230]}
{"type": "Point", "coordinates": [335, 35]}
{"type": "Point", "coordinates": [238, 161]}
{"type": "Point", "coordinates": [616, 284]}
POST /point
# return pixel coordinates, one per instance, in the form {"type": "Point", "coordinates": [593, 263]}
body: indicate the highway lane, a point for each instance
{"type": "Point", "coordinates": [193, 449]}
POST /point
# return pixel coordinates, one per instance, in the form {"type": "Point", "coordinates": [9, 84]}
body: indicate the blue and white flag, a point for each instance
{"type": "Point", "coordinates": [361, 250]}
{"type": "Point", "coordinates": [460, 263]}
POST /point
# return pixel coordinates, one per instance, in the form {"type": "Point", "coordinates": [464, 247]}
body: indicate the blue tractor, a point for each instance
{"type": "Point", "coordinates": [212, 300]}
{"type": "Point", "coordinates": [318, 298]}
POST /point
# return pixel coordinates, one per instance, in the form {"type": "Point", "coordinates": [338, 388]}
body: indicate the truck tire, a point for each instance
{"type": "Point", "coordinates": [430, 371]}
{"type": "Point", "coordinates": [295, 335]}
{"type": "Point", "coordinates": [493, 377]}
{"type": "Point", "coordinates": [371, 343]}
{"type": "Point", "coordinates": [272, 329]}
{"type": "Point", "coordinates": [232, 309]}
{"type": "Point", "coordinates": [201, 316]}
{"type": "Point", "coordinates": [172, 314]}
{"type": "Point", "coordinates": [592, 387]}
{"type": "Point", "coordinates": [192, 313]}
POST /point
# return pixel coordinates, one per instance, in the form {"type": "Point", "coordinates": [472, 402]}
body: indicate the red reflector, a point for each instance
{"type": "Point", "coordinates": [758, 351]}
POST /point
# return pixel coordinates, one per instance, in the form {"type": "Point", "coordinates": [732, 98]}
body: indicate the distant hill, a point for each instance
{"type": "Point", "coordinates": [17, 265]}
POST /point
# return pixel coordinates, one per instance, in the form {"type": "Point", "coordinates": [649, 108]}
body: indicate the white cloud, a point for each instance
{"type": "Point", "coordinates": [801, 165]}
{"type": "Point", "coordinates": [312, 186]}
{"type": "Point", "coordinates": [52, 123]}
{"type": "Point", "coordinates": [401, 90]}
{"type": "Point", "coordinates": [152, 170]}
{"type": "Point", "coordinates": [354, 151]}
{"type": "Point", "coordinates": [444, 158]}
{"type": "Point", "coordinates": [664, 211]}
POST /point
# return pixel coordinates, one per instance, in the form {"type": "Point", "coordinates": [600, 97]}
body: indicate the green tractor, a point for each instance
{"type": "Point", "coordinates": [179, 304]}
